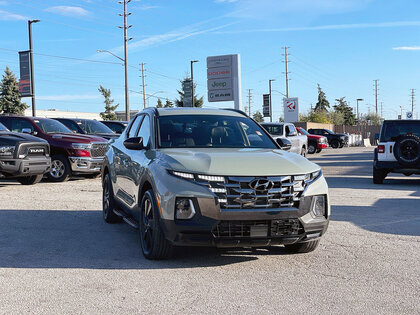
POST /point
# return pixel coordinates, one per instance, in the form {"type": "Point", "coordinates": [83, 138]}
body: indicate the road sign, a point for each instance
{"type": "Point", "coordinates": [224, 79]}
{"type": "Point", "coordinates": [187, 89]}
{"type": "Point", "coordinates": [409, 115]}
{"type": "Point", "coordinates": [25, 88]}
{"type": "Point", "coordinates": [291, 109]}
{"type": "Point", "coordinates": [266, 105]}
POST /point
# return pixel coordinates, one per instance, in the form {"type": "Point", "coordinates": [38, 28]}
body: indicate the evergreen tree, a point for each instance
{"type": "Point", "coordinates": [347, 112]}
{"type": "Point", "coordinates": [322, 105]}
{"type": "Point", "coordinates": [10, 102]}
{"type": "Point", "coordinates": [198, 102]}
{"type": "Point", "coordinates": [258, 117]}
{"type": "Point", "coordinates": [109, 113]}
{"type": "Point", "coordinates": [159, 103]}
{"type": "Point", "coordinates": [168, 104]}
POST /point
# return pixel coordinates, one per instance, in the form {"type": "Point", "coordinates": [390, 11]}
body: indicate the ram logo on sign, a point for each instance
{"type": "Point", "coordinates": [291, 109]}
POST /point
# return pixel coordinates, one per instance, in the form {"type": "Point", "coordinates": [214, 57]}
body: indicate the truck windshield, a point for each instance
{"type": "Point", "coordinates": [93, 126]}
{"type": "Point", "coordinates": [51, 126]}
{"type": "Point", "coordinates": [201, 131]}
{"type": "Point", "coordinates": [2, 127]}
{"type": "Point", "coordinates": [304, 132]}
{"type": "Point", "coordinates": [391, 130]}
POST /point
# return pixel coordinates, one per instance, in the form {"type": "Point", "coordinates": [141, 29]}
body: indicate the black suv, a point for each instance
{"type": "Point", "coordinates": [88, 127]}
{"type": "Point", "coordinates": [335, 140]}
{"type": "Point", "coordinates": [23, 156]}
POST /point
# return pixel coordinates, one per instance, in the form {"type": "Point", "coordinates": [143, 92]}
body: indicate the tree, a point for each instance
{"type": "Point", "coordinates": [198, 102]}
{"type": "Point", "coordinates": [322, 105]}
{"type": "Point", "coordinates": [347, 112]}
{"type": "Point", "coordinates": [109, 113]}
{"type": "Point", "coordinates": [159, 103]}
{"type": "Point", "coordinates": [10, 102]}
{"type": "Point", "coordinates": [168, 104]}
{"type": "Point", "coordinates": [372, 119]}
{"type": "Point", "coordinates": [315, 116]}
{"type": "Point", "coordinates": [258, 117]}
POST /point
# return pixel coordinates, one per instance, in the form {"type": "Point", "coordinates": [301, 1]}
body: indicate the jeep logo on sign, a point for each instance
{"type": "Point", "coordinates": [218, 84]}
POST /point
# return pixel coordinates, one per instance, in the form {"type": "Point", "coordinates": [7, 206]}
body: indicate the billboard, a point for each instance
{"type": "Point", "coordinates": [266, 105]}
{"type": "Point", "coordinates": [291, 109]}
{"type": "Point", "coordinates": [224, 79]}
{"type": "Point", "coordinates": [187, 89]}
{"type": "Point", "coordinates": [25, 88]}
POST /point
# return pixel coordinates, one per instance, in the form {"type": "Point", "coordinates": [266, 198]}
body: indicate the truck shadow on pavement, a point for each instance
{"type": "Point", "coordinates": [81, 239]}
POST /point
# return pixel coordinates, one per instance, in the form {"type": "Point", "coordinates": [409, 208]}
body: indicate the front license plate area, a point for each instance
{"type": "Point", "coordinates": [259, 231]}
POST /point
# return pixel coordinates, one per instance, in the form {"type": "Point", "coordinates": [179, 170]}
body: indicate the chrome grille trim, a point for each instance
{"type": "Point", "coordinates": [98, 149]}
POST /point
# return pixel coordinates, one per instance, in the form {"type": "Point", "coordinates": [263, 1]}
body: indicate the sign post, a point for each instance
{"type": "Point", "coordinates": [291, 109]}
{"type": "Point", "coordinates": [25, 87]}
{"type": "Point", "coordinates": [224, 79]}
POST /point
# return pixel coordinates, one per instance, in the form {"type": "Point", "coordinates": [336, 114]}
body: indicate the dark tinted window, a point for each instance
{"type": "Point", "coordinates": [219, 131]}
{"type": "Point", "coordinates": [393, 129]}
{"type": "Point", "coordinates": [135, 126]}
{"type": "Point", "coordinates": [93, 126]}
{"type": "Point", "coordinates": [17, 124]}
{"type": "Point", "coordinates": [115, 127]}
{"type": "Point", "coordinates": [303, 131]}
{"type": "Point", "coordinates": [51, 126]}
{"type": "Point", "coordinates": [144, 131]}
{"type": "Point", "coordinates": [71, 125]}
{"type": "Point", "coordinates": [2, 127]}
{"type": "Point", "coordinates": [290, 129]}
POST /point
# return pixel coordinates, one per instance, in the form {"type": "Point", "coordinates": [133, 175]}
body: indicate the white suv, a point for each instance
{"type": "Point", "coordinates": [398, 150]}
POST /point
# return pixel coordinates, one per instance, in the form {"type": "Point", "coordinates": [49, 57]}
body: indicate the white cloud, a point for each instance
{"type": "Point", "coordinates": [229, 1]}
{"type": "Point", "coordinates": [68, 97]}
{"type": "Point", "coordinates": [407, 48]}
{"type": "Point", "coordinates": [145, 7]}
{"type": "Point", "coordinates": [68, 11]}
{"type": "Point", "coordinates": [9, 16]}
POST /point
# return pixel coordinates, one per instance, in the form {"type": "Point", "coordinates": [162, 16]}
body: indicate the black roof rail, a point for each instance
{"type": "Point", "coordinates": [236, 111]}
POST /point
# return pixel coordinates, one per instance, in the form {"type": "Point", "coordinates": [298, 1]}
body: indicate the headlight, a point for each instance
{"type": "Point", "coordinates": [7, 150]}
{"type": "Point", "coordinates": [206, 178]}
{"type": "Point", "coordinates": [308, 178]}
{"type": "Point", "coordinates": [81, 146]}
{"type": "Point", "coordinates": [182, 174]}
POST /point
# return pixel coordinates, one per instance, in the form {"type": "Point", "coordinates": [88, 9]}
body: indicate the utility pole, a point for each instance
{"type": "Point", "coordinates": [249, 102]}
{"type": "Point", "coordinates": [269, 92]}
{"type": "Point", "coordinates": [357, 107]}
{"type": "Point", "coordinates": [376, 96]}
{"type": "Point", "coordinates": [126, 39]}
{"type": "Point", "coordinates": [382, 110]}
{"type": "Point", "coordinates": [412, 100]}
{"type": "Point", "coordinates": [286, 71]}
{"type": "Point", "coordinates": [31, 61]}
{"type": "Point", "coordinates": [144, 86]}
{"type": "Point", "coordinates": [192, 80]}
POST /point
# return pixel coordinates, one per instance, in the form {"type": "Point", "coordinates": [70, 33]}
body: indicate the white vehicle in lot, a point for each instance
{"type": "Point", "coordinates": [288, 130]}
{"type": "Point", "coordinates": [398, 150]}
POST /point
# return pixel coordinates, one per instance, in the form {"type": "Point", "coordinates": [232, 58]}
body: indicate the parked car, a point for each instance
{"type": "Point", "coordinates": [115, 125]}
{"type": "Point", "coordinates": [88, 127]}
{"type": "Point", "coordinates": [23, 157]}
{"type": "Point", "coordinates": [335, 140]}
{"type": "Point", "coordinates": [288, 130]}
{"type": "Point", "coordinates": [70, 153]}
{"type": "Point", "coordinates": [398, 150]}
{"type": "Point", "coordinates": [315, 143]}
{"type": "Point", "coordinates": [193, 176]}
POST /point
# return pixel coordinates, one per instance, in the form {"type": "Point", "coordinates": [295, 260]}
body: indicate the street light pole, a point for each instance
{"type": "Point", "coordinates": [357, 107]}
{"type": "Point", "coordinates": [269, 92]}
{"type": "Point", "coordinates": [32, 65]}
{"type": "Point", "coordinates": [192, 81]}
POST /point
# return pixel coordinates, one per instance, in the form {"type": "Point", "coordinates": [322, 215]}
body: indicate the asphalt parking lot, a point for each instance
{"type": "Point", "coordinates": [58, 256]}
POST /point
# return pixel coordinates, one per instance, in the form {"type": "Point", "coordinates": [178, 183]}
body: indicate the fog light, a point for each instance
{"type": "Point", "coordinates": [318, 205]}
{"type": "Point", "coordinates": [184, 209]}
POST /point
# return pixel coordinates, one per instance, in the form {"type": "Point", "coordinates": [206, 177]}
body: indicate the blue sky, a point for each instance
{"type": "Point", "coordinates": [342, 44]}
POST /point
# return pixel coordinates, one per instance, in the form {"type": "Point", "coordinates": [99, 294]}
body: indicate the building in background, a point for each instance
{"type": "Point", "coordinates": [55, 113]}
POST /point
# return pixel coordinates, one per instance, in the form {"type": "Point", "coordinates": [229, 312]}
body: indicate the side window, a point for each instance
{"type": "Point", "coordinates": [134, 126]}
{"type": "Point", "coordinates": [144, 131]}
{"type": "Point", "coordinates": [70, 125]}
{"type": "Point", "coordinates": [291, 128]}
{"type": "Point", "coordinates": [17, 125]}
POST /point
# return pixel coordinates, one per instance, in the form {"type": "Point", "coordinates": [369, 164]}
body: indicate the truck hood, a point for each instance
{"type": "Point", "coordinates": [75, 137]}
{"type": "Point", "coordinates": [237, 162]}
{"type": "Point", "coordinates": [9, 137]}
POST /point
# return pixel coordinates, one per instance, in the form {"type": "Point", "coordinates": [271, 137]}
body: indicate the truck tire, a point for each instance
{"type": "Point", "coordinates": [335, 144]}
{"type": "Point", "coordinates": [108, 201]}
{"type": "Point", "coordinates": [302, 247]}
{"type": "Point", "coordinates": [303, 151]}
{"type": "Point", "coordinates": [154, 245]}
{"type": "Point", "coordinates": [30, 180]}
{"type": "Point", "coordinates": [407, 150]}
{"type": "Point", "coordinates": [312, 147]}
{"type": "Point", "coordinates": [379, 175]}
{"type": "Point", "coordinates": [60, 170]}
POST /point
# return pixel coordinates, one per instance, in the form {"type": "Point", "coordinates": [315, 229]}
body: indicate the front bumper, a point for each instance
{"type": "Point", "coordinates": [86, 164]}
{"type": "Point", "coordinates": [25, 167]}
{"type": "Point", "coordinates": [322, 145]}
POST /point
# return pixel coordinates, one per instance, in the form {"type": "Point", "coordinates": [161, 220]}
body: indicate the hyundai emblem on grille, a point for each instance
{"type": "Point", "coordinates": [261, 184]}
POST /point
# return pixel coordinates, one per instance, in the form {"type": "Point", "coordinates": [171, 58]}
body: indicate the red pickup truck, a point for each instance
{"type": "Point", "coordinates": [70, 153]}
{"type": "Point", "coordinates": [315, 143]}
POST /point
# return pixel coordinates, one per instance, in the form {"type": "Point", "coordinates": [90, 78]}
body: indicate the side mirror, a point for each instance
{"type": "Point", "coordinates": [291, 134]}
{"type": "Point", "coordinates": [135, 143]}
{"type": "Point", "coordinates": [284, 144]}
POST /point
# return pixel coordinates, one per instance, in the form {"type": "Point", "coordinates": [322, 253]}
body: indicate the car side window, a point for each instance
{"type": "Point", "coordinates": [135, 126]}
{"type": "Point", "coordinates": [144, 131]}
{"type": "Point", "coordinates": [69, 124]}
{"type": "Point", "coordinates": [17, 125]}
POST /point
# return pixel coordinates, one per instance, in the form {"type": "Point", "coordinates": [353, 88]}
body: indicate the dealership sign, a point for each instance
{"type": "Point", "coordinates": [223, 79]}
{"type": "Point", "coordinates": [266, 105]}
{"type": "Point", "coordinates": [187, 89]}
{"type": "Point", "coordinates": [291, 109]}
{"type": "Point", "coordinates": [25, 88]}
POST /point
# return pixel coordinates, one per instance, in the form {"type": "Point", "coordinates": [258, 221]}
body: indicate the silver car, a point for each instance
{"type": "Point", "coordinates": [211, 177]}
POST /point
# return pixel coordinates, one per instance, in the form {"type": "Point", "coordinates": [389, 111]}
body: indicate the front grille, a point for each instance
{"type": "Point", "coordinates": [98, 149]}
{"type": "Point", "coordinates": [275, 191]}
{"type": "Point", "coordinates": [244, 229]}
{"type": "Point", "coordinates": [33, 149]}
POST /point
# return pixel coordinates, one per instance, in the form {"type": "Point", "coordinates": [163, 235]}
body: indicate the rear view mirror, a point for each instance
{"type": "Point", "coordinates": [284, 144]}
{"type": "Point", "coordinates": [135, 143]}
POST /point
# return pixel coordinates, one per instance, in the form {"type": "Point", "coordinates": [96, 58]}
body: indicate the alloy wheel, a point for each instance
{"type": "Point", "coordinates": [57, 169]}
{"type": "Point", "coordinates": [147, 226]}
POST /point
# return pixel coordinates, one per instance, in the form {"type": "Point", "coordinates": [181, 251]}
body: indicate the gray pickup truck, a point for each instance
{"type": "Point", "coordinates": [288, 131]}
